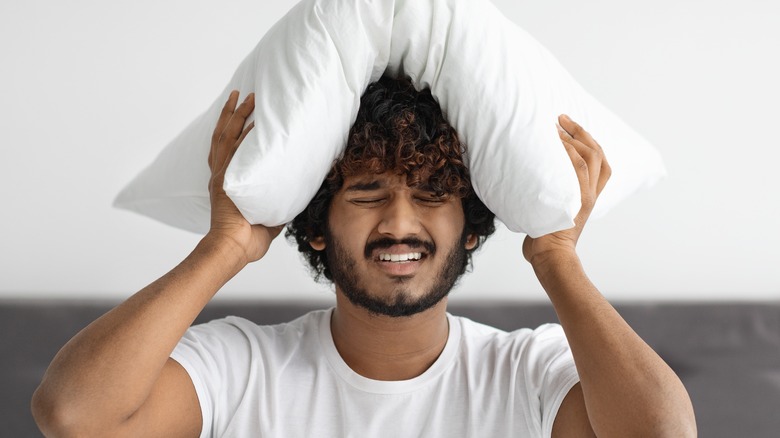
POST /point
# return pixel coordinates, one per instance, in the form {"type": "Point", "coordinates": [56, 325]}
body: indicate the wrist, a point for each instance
{"type": "Point", "coordinates": [231, 254]}
{"type": "Point", "coordinates": [553, 258]}
{"type": "Point", "coordinates": [554, 263]}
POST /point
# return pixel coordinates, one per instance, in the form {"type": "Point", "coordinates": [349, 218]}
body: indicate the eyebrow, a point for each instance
{"type": "Point", "coordinates": [364, 186]}
{"type": "Point", "coordinates": [426, 187]}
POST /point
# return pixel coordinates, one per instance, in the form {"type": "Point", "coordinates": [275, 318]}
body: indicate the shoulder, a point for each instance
{"type": "Point", "coordinates": [237, 339]}
{"type": "Point", "coordinates": [535, 365]}
{"type": "Point", "coordinates": [546, 336]}
{"type": "Point", "coordinates": [238, 327]}
{"type": "Point", "coordinates": [536, 354]}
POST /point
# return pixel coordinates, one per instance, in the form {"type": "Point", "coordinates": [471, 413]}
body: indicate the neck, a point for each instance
{"type": "Point", "coordinates": [388, 348]}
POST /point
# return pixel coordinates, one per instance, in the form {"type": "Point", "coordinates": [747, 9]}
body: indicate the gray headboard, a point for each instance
{"type": "Point", "coordinates": [727, 354]}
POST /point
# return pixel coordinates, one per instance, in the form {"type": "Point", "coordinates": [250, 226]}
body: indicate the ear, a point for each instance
{"type": "Point", "coordinates": [318, 243]}
{"type": "Point", "coordinates": [471, 241]}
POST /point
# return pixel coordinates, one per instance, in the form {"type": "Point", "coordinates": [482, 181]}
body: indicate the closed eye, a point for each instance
{"type": "Point", "coordinates": [432, 200]}
{"type": "Point", "coordinates": [366, 201]}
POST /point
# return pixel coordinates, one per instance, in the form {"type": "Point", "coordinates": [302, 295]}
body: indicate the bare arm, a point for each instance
{"type": "Point", "coordinates": [625, 388]}
{"type": "Point", "coordinates": [115, 378]}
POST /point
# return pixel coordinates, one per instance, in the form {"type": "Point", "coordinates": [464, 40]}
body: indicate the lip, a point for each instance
{"type": "Point", "coordinates": [396, 269]}
{"type": "Point", "coordinates": [406, 268]}
{"type": "Point", "coordinates": [398, 249]}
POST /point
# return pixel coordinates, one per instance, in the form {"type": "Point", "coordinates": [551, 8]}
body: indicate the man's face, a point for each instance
{"type": "Point", "coordinates": [393, 249]}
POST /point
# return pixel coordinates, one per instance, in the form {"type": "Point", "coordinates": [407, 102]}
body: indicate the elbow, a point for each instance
{"type": "Point", "coordinates": [675, 420]}
{"type": "Point", "coordinates": [683, 423]}
{"type": "Point", "coordinates": [672, 414]}
{"type": "Point", "coordinates": [43, 412]}
{"type": "Point", "coordinates": [54, 416]}
{"type": "Point", "coordinates": [52, 419]}
{"type": "Point", "coordinates": [668, 427]}
{"type": "Point", "coordinates": [678, 424]}
{"type": "Point", "coordinates": [685, 426]}
{"type": "Point", "coordinates": [62, 416]}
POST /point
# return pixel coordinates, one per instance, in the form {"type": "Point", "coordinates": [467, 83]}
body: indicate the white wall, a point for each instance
{"type": "Point", "coordinates": [90, 91]}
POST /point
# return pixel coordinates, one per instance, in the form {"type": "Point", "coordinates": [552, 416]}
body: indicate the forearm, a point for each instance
{"type": "Point", "coordinates": [107, 371]}
{"type": "Point", "coordinates": [628, 389]}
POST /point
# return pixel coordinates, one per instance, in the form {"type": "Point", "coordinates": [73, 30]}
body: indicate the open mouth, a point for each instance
{"type": "Point", "coordinates": [391, 250]}
{"type": "Point", "coordinates": [400, 258]}
{"type": "Point", "coordinates": [395, 263]}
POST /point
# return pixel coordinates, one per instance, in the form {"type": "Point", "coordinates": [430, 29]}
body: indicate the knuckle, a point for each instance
{"type": "Point", "coordinates": [215, 182]}
{"type": "Point", "coordinates": [576, 129]}
{"type": "Point", "coordinates": [595, 156]}
{"type": "Point", "coordinates": [216, 137]}
{"type": "Point", "coordinates": [589, 154]}
{"type": "Point", "coordinates": [588, 202]}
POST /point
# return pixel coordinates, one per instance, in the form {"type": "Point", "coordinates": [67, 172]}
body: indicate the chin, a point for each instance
{"type": "Point", "coordinates": [401, 304]}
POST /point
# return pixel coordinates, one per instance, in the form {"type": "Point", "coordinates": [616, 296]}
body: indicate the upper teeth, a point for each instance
{"type": "Point", "coordinates": [400, 257]}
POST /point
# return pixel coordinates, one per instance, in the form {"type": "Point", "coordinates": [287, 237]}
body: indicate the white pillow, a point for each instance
{"type": "Point", "coordinates": [503, 92]}
{"type": "Point", "coordinates": [308, 73]}
{"type": "Point", "coordinates": [497, 86]}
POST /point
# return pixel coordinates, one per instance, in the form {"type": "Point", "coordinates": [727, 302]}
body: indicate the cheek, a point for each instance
{"type": "Point", "coordinates": [450, 220]}
{"type": "Point", "coordinates": [351, 230]}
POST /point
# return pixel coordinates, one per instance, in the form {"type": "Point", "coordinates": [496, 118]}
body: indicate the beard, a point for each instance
{"type": "Point", "coordinates": [401, 302]}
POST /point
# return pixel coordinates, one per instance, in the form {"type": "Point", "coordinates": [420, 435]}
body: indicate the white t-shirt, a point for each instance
{"type": "Point", "coordinates": [288, 380]}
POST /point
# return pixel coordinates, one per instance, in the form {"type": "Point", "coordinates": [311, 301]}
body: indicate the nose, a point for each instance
{"type": "Point", "coordinates": [400, 218]}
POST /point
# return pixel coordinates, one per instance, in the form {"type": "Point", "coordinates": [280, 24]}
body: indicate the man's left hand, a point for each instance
{"type": "Point", "coordinates": [593, 171]}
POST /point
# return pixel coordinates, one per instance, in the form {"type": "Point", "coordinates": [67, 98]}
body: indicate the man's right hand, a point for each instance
{"type": "Point", "coordinates": [228, 225]}
{"type": "Point", "coordinates": [116, 377]}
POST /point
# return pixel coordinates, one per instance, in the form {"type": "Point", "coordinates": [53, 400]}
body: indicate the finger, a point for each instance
{"type": "Point", "coordinates": [243, 135]}
{"type": "Point", "coordinates": [225, 146]}
{"type": "Point", "coordinates": [604, 174]}
{"type": "Point", "coordinates": [579, 163]}
{"type": "Point", "coordinates": [235, 125]}
{"type": "Point", "coordinates": [578, 132]}
{"type": "Point", "coordinates": [587, 198]}
{"type": "Point", "coordinates": [593, 157]}
{"type": "Point", "coordinates": [233, 150]}
{"type": "Point", "coordinates": [585, 176]}
{"type": "Point", "coordinates": [225, 115]}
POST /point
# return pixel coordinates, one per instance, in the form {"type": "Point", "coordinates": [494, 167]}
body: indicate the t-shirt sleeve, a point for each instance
{"type": "Point", "coordinates": [215, 355]}
{"type": "Point", "coordinates": [549, 371]}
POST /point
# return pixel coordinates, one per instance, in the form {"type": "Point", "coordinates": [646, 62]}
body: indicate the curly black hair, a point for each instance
{"type": "Point", "coordinates": [403, 130]}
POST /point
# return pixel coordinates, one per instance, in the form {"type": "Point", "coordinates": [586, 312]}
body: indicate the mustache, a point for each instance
{"type": "Point", "coordinates": [386, 242]}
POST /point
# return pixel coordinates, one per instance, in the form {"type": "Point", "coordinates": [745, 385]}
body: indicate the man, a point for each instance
{"type": "Point", "coordinates": [393, 226]}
